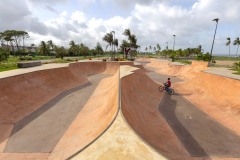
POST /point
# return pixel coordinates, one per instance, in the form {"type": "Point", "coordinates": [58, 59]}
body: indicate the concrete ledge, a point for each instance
{"type": "Point", "coordinates": [29, 64]}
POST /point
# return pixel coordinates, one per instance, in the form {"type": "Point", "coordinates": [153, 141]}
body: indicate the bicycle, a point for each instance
{"type": "Point", "coordinates": [169, 90]}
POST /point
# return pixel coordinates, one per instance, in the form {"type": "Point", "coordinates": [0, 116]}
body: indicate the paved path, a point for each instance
{"type": "Point", "coordinates": [31, 69]}
{"type": "Point", "coordinates": [222, 71]}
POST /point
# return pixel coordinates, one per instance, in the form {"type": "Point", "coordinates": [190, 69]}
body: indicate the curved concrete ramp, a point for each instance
{"type": "Point", "coordinates": [201, 135]}
{"type": "Point", "coordinates": [140, 101]}
{"type": "Point", "coordinates": [74, 127]}
{"type": "Point", "coordinates": [174, 126]}
{"type": "Point", "coordinates": [216, 95]}
{"type": "Point", "coordinates": [30, 133]}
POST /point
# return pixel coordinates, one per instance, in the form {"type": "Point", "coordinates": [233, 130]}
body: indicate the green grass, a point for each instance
{"type": "Point", "coordinates": [236, 71]}
{"type": "Point", "coordinates": [7, 66]}
{"type": "Point", "coordinates": [66, 60]}
{"type": "Point", "coordinates": [12, 61]}
{"type": "Point", "coordinates": [183, 61]}
{"type": "Point", "coordinates": [224, 58]}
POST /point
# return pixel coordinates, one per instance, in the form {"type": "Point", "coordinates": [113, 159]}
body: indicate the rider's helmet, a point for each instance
{"type": "Point", "coordinates": [168, 78]}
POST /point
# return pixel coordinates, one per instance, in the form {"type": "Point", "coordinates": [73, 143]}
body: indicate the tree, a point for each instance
{"type": "Point", "coordinates": [146, 49]}
{"type": "Point", "coordinates": [228, 44]}
{"type": "Point", "coordinates": [24, 35]}
{"type": "Point", "coordinates": [2, 38]}
{"type": "Point", "coordinates": [150, 48]}
{"type": "Point", "coordinates": [127, 33]}
{"type": "Point", "coordinates": [109, 39]}
{"type": "Point", "coordinates": [131, 38]}
{"type": "Point", "coordinates": [73, 50]}
{"type": "Point", "coordinates": [50, 46]}
{"type": "Point", "coordinates": [15, 38]}
{"type": "Point", "coordinates": [4, 54]}
{"type": "Point", "coordinates": [60, 51]}
{"type": "Point", "coordinates": [158, 48]}
{"type": "Point", "coordinates": [236, 42]}
{"type": "Point", "coordinates": [115, 43]}
{"type": "Point", "coordinates": [43, 48]}
{"type": "Point", "coordinates": [8, 37]}
{"type": "Point", "coordinates": [98, 48]}
{"type": "Point", "coordinates": [83, 50]}
{"type": "Point", "coordinates": [154, 48]}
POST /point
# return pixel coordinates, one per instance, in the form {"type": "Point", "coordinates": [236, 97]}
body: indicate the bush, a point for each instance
{"type": "Point", "coordinates": [27, 58]}
{"type": "Point", "coordinates": [236, 65]}
{"type": "Point", "coordinates": [4, 54]}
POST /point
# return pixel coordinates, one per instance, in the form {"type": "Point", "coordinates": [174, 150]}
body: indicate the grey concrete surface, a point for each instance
{"type": "Point", "coordinates": [222, 71]}
{"type": "Point", "coordinates": [200, 134]}
{"type": "Point", "coordinates": [41, 130]}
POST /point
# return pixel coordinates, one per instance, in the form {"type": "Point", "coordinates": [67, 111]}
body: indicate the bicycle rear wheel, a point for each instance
{"type": "Point", "coordinates": [171, 91]}
{"type": "Point", "coordinates": [161, 88]}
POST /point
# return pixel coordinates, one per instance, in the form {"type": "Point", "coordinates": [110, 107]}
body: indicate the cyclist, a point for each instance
{"type": "Point", "coordinates": [167, 85]}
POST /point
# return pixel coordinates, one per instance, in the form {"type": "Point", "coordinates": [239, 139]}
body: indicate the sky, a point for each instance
{"type": "Point", "coordinates": [152, 21]}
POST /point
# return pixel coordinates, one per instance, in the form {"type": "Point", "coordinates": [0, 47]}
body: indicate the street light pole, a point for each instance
{"type": "Point", "coordinates": [210, 58]}
{"type": "Point", "coordinates": [174, 41]}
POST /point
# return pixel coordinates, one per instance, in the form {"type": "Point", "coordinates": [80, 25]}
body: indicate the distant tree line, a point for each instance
{"type": "Point", "coordinates": [236, 42]}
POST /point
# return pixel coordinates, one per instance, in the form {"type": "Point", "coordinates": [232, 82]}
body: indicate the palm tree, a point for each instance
{"type": "Point", "coordinates": [131, 38]}
{"type": "Point", "coordinates": [98, 48]}
{"type": "Point", "coordinates": [50, 46]}
{"type": "Point", "coordinates": [127, 32]}
{"type": "Point", "coordinates": [150, 48]}
{"type": "Point", "coordinates": [133, 41]}
{"type": "Point", "coordinates": [73, 48]}
{"type": "Point", "coordinates": [43, 48]}
{"type": "Point", "coordinates": [115, 43]}
{"type": "Point", "coordinates": [146, 49]}
{"type": "Point", "coordinates": [236, 42]}
{"type": "Point", "coordinates": [109, 39]}
{"type": "Point", "coordinates": [158, 48]}
{"type": "Point", "coordinates": [228, 44]}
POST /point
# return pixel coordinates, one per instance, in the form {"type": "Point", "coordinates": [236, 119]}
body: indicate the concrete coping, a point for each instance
{"type": "Point", "coordinates": [29, 64]}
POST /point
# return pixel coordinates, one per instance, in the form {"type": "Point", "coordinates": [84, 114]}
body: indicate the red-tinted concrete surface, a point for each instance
{"type": "Point", "coordinates": [216, 95]}
{"type": "Point", "coordinates": [23, 94]}
{"type": "Point", "coordinates": [140, 101]}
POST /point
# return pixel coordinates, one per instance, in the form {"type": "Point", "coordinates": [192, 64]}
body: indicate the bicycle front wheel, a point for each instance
{"type": "Point", "coordinates": [161, 88]}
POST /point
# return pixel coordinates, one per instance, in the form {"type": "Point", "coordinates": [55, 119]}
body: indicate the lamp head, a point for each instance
{"type": "Point", "coordinates": [216, 19]}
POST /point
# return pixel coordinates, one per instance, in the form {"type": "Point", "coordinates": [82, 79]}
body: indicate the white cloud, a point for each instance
{"type": "Point", "coordinates": [151, 21]}
{"type": "Point", "coordinates": [79, 17]}
{"type": "Point", "coordinates": [64, 14]}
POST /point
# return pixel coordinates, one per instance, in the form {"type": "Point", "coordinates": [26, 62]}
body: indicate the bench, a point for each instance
{"type": "Point", "coordinates": [29, 64]}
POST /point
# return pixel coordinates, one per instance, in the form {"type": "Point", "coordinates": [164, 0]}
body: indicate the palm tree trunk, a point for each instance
{"type": "Point", "coordinates": [237, 50]}
{"type": "Point", "coordinates": [229, 50]}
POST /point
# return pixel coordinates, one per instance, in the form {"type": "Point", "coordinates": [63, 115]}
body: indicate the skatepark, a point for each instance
{"type": "Point", "coordinates": [114, 110]}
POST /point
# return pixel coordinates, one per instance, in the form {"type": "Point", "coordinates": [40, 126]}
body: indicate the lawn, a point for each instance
{"type": "Point", "coordinates": [12, 61]}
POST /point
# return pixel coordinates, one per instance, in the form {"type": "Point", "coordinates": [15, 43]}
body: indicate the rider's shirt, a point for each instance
{"type": "Point", "coordinates": [169, 83]}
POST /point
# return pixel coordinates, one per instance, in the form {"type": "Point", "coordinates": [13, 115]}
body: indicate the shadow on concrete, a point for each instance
{"type": "Point", "coordinates": [168, 111]}
{"type": "Point", "coordinates": [200, 134]}
{"type": "Point", "coordinates": [41, 130]}
{"type": "Point", "coordinates": [34, 115]}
